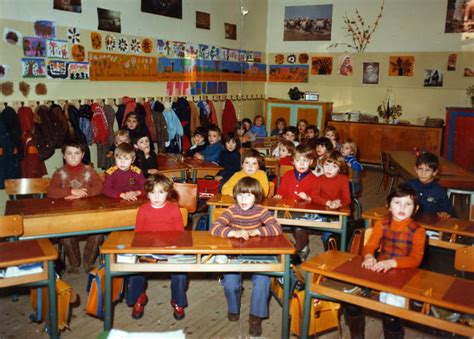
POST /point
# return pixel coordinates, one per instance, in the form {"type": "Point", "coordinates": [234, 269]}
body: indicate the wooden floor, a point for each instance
{"type": "Point", "coordinates": [206, 316]}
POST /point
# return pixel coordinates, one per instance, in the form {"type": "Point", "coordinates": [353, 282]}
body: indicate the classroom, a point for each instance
{"type": "Point", "coordinates": [237, 168]}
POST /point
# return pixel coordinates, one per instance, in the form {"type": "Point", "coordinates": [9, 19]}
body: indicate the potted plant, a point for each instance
{"type": "Point", "coordinates": [470, 94]}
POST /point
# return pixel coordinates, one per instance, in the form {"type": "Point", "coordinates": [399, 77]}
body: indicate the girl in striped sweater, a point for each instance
{"type": "Point", "coordinates": [243, 220]}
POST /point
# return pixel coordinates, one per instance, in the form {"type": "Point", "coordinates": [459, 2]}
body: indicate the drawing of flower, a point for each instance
{"type": "Point", "coordinates": [123, 45]}
{"type": "Point", "coordinates": [135, 45]}
{"type": "Point", "coordinates": [110, 43]}
{"type": "Point", "coordinates": [73, 35]}
{"type": "Point", "coordinates": [147, 45]}
{"type": "Point", "coordinates": [291, 58]}
{"type": "Point", "coordinates": [279, 59]}
{"type": "Point", "coordinates": [96, 40]}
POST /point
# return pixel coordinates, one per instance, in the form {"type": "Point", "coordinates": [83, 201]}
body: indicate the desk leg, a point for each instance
{"type": "Point", "coordinates": [211, 212]}
{"type": "Point", "coordinates": [286, 300]}
{"type": "Point", "coordinates": [193, 175]}
{"type": "Point", "coordinates": [344, 233]}
{"type": "Point", "coordinates": [306, 307]}
{"type": "Point", "coordinates": [183, 175]}
{"type": "Point", "coordinates": [53, 304]}
{"type": "Point", "coordinates": [108, 295]}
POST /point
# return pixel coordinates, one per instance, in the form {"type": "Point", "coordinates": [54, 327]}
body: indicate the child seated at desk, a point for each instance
{"type": "Point", "coordinates": [146, 157]}
{"type": "Point", "coordinates": [199, 142]}
{"type": "Point", "coordinates": [76, 181]}
{"type": "Point", "coordinates": [349, 152]}
{"type": "Point", "coordinates": [323, 147]}
{"type": "Point", "coordinates": [258, 128]}
{"type": "Point", "coordinates": [280, 125]}
{"type": "Point", "coordinates": [401, 242]}
{"type": "Point", "coordinates": [120, 136]}
{"type": "Point", "coordinates": [124, 180]}
{"type": "Point", "coordinates": [302, 125]}
{"type": "Point", "coordinates": [312, 134]}
{"type": "Point", "coordinates": [159, 215]}
{"type": "Point", "coordinates": [245, 137]}
{"type": "Point", "coordinates": [290, 133]}
{"type": "Point", "coordinates": [243, 220]}
{"type": "Point", "coordinates": [286, 152]}
{"type": "Point", "coordinates": [212, 152]}
{"type": "Point", "coordinates": [230, 159]}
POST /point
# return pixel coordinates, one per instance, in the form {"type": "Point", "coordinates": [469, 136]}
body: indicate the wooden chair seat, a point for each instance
{"type": "Point", "coordinates": [187, 196]}
{"type": "Point", "coordinates": [464, 259]}
{"type": "Point", "coordinates": [24, 186]}
{"type": "Point", "coordinates": [11, 226]}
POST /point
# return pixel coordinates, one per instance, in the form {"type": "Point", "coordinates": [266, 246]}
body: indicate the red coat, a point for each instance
{"type": "Point", "coordinates": [229, 118]}
{"type": "Point", "coordinates": [290, 184]}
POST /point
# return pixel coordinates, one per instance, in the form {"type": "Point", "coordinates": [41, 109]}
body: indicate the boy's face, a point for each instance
{"type": "Point", "coordinates": [231, 145]}
{"type": "Point", "coordinates": [245, 200]}
{"type": "Point", "coordinates": [283, 151]}
{"type": "Point", "coordinates": [310, 134]}
{"type": "Point", "coordinates": [73, 155]}
{"type": "Point", "coordinates": [198, 139]}
{"type": "Point", "coordinates": [131, 122]}
{"type": "Point", "coordinates": [346, 150]}
{"type": "Point", "coordinates": [331, 169]}
{"type": "Point", "coordinates": [402, 208]}
{"type": "Point", "coordinates": [241, 131]}
{"type": "Point", "coordinates": [120, 140]}
{"type": "Point", "coordinates": [123, 162]}
{"type": "Point", "coordinates": [258, 122]}
{"type": "Point", "coordinates": [158, 196]}
{"type": "Point", "coordinates": [213, 137]}
{"type": "Point", "coordinates": [247, 125]}
{"type": "Point", "coordinates": [321, 150]}
{"type": "Point", "coordinates": [425, 173]}
{"type": "Point", "coordinates": [330, 135]}
{"type": "Point", "coordinates": [143, 144]}
{"type": "Point", "coordinates": [290, 136]}
{"type": "Point", "coordinates": [301, 163]}
{"type": "Point", "coordinates": [250, 166]}
{"type": "Point", "coordinates": [301, 126]}
{"type": "Point", "coordinates": [280, 125]}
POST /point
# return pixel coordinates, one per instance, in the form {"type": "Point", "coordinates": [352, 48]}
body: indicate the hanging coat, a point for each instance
{"type": "Point", "coordinates": [160, 125]}
{"type": "Point", "coordinates": [9, 155]}
{"type": "Point", "coordinates": [102, 160]}
{"type": "Point", "coordinates": [130, 106]}
{"type": "Point", "coordinates": [229, 118]}
{"type": "Point", "coordinates": [149, 121]}
{"type": "Point", "coordinates": [204, 114]}
{"type": "Point", "coordinates": [195, 123]}
{"type": "Point", "coordinates": [74, 118]}
{"type": "Point", "coordinates": [12, 124]}
{"type": "Point", "coordinates": [213, 113]}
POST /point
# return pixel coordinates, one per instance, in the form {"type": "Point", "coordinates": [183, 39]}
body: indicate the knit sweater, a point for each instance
{"type": "Point", "coordinates": [166, 218]}
{"type": "Point", "coordinates": [196, 149]}
{"type": "Point", "coordinates": [294, 182]}
{"type": "Point", "coordinates": [329, 189]}
{"type": "Point", "coordinates": [261, 177]}
{"type": "Point", "coordinates": [145, 163]}
{"type": "Point", "coordinates": [118, 181]}
{"type": "Point", "coordinates": [234, 218]}
{"type": "Point", "coordinates": [413, 259]}
{"type": "Point", "coordinates": [259, 131]}
{"type": "Point", "coordinates": [432, 197]}
{"type": "Point", "coordinates": [212, 152]}
{"type": "Point", "coordinates": [67, 178]}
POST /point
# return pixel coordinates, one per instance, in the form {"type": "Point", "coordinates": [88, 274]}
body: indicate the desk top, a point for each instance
{"type": "Point", "coordinates": [450, 175]}
{"type": "Point", "coordinates": [167, 162]}
{"type": "Point", "coordinates": [194, 242]}
{"type": "Point", "coordinates": [27, 251]}
{"type": "Point", "coordinates": [282, 205]}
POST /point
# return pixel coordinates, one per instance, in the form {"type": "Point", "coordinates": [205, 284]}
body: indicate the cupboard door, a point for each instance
{"type": "Point", "coordinates": [310, 114]}
{"type": "Point", "coordinates": [276, 112]}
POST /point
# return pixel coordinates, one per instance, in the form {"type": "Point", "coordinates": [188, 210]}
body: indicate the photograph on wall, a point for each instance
{"type": "Point", "coordinates": [468, 72]}
{"type": "Point", "coordinates": [33, 68]}
{"type": "Point", "coordinates": [12, 36]}
{"type": "Point", "coordinates": [433, 78]}
{"type": "Point", "coordinates": [34, 47]}
{"type": "Point", "coordinates": [56, 69]}
{"type": "Point", "coordinates": [304, 23]}
{"type": "Point", "coordinates": [345, 65]}
{"type": "Point", "coordinates": [203, 20]}
{"type": "Point", "coordinates": [370, 73]}
{"type": "Point", "coordinates": [452, 58]}
{"type": "Point", "coordinates": [57, 49]}
{"type": "Point", "coordinates": [74, 6]}
{"type": "Point", "coordinates": [109, 20]}
{"type": "Point", "coordinates": [96, 40]}
{"type": "Point", "coordinates": [401, 66]}
{"type": "Point", "coordinates": [288, 73]}
{"type": "Point", "coordinates": [321, 65]}
{"type": "Point", "coordinates": [78, 70]}
{"type": "Point", "coordinates": [170, 8]}
{"type": "Point", "coordinates": [460, 16]}
{"type": "Point", "coordinates": [4, 71]}
{"type": "Point", "coordinates": [45, 29]}
{"type": "Point", "coordinates": [230, 31]}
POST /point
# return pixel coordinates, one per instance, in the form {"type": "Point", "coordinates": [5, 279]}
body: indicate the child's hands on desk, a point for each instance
{"type": "Point", "coordinates": [130, 196]}
{"type": "Point", "coordinates": [371, 263]}
{"type": "Point", "coordinates": [303, 196]}
{"type": "Point", "coordinates": [243, 234]}
{"type": "Point", "coordinates": [443, 215]}
{"type": "Point", "coordinates": [77, 193]}
{"type": "Point", "coordinates": [198, 156]}
{"type": "Point", "coordinates": [333, 204]}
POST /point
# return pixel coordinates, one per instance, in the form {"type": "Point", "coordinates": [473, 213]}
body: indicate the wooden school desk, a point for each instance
{"type": "Point", "coordinates": [28, 252]}
{"type": "Point", "coordinates": [201, 168]}
{"type": "Point", "coordinates": [284, 208]}
{"type": "Point", "coordinates": [171, 166]}
{"type": "Point", "coordinates": [425, 287]}
{"type": "Point", "coordinates": [201, 244]}
{"type": "Point", "coordinates": [178, 166]}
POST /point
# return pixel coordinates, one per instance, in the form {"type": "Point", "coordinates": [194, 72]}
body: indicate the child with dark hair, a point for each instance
{"type": "Point", "coordinates": [286, 152]}
{"type": "Point", "coordinates": [290, 133]}
{"type": "Point", "coordinates": [145, 157]}
{"type": "Point", "coordinates": [245, 137]}
{"type": "Point", "coordinates": [312, 134]}
{"type": "Point", "coordinates": [199, 142]}
{"type": "Point", "coordinates": [330, 132]}
{"type": "Point", "coordinates": [280, 125]}
{"type": "Point", "coordinates": [230, 158]}
{"type": "Point", "coordinates": [247, 124]}
{"type": "Point", "coordinates": [302, 125]}
{"type": "Point", "coordinates": [212, 152]}
{"type": "Point", "coordinates": [258, 128]}
{"type": "Point", "coordinates": [323, 147]}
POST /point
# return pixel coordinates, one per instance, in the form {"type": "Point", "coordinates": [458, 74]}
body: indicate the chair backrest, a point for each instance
{"type": "Point", "coordinates": [11, 226]}
{"type": "Point", "coordinates": [216, 213]}
{"type": "Point", "coordinates": [271, 189]}
{"type": "Point", "coordinates": [184, 215]}
{"type": "Point", "coordinates": [187, 196]}
{"type": "Point", "coordinates": [23, 186]}
{"type": "Point", "coordinates": [464, 259]}
{"type": "Point", "coordinates": [282, 169]}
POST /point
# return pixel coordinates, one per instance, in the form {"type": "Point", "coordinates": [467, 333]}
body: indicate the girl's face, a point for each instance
{"type": "Point", "coordinates": [283, 151]}
{"type": "Point", "coordinates": [310, 134]}
{"type": "Point", "coordinates": [330, 135]}
{"type": "Point", "coordinates": [158, 196]}
{"type": "Point", "coordinates": [230, 145]}
{"type": "Point", "coordinates": [321, 150]}
{"type": "Point", "coordinates": [241, 131]}
{"type": "Point", "coordinates": [73, 156]}
{"type": "Point", "coordinates": [290, 136]}
{"type": "Point", "coordinates": [245, 200]}
{"type": "Point", "coordinates": [346, 150]}
{"type": "Point", "coordinates": [402, 208]}
{"type": "Point", "coordinates": [198, 139]}
{"type": "Point", "coordinates": [131, 122]}
{"type": "Point", "coordinates": [143, 144]}
{"type": "Point", "coordinates": [247, 125]}
{"type": "Point", "coordinates": [302, 127]}
{"type": "Point", "coordinates": [258, 122]}
{"type": "Point", "coordinates": [331, 169]}
{"type": "Point", "coordinates": [250, 166]}
{"type": "Point", "coordinates": [281, 125]}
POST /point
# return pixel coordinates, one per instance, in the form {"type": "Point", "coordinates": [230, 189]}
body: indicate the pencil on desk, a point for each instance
{"type": "Point", "coordinates": [208, 258]}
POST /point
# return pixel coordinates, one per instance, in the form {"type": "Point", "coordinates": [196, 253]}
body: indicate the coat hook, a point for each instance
{"type": "Point", "coordinates": [22, 103]}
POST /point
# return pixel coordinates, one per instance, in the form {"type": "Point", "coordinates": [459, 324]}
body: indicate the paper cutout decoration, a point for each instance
{"type": "Point", "coordinates": [169, 88]}
{"type": "Point", "coordinates": [135, 45]}
{"type": "Point", "coordinates": [321, 65]}
{"type": "Point", "coordinates": [45, 29]}
{"type": "Point", "coordinates": [433, 78]}
{"type": "Point", "coordinates": [303, 58]}
{"type": "Point", "coordinates": [74, 35]}
{"type": "Point", "coordinates": [110, 43]}
{"type": "Point", "coordinates": [34, 47]}
{"type": "Point", "coordinates": [468, 72]}
{"type": "Point", "coordinates": [147, 45]}
{"type": "Point", "coordinates": [78, 70]}
{"type": "Point", "coordinates": [345, 65]}
{"type": "Point", "coordinates": [57, 69]}
{"type": "Point", "coordinates": [452, 58]}
{"type": "Point", "coordinates": [78, 53]}
{"type": "Point", "coordinates": [41, 89]}
{"type": "Point", "coordinates": [288, 73]}
{"type": "Point", "coordinates": [4, 71]}
{"type": "Point", "coordinates": [178, 86]}
{"type": "Point", "coordinates": [96, 40]}
{"type": "Point", "coordinates": [279, 59]}
{"type": "Point", "coordinates": [57, 49]}
{"type": "Point", "coordinates": [122, 67]}
{"type": "Point", "coordinates": [192, 50]}
{"type": "Point", "coordinates": [33, 68]}
{"type": "Point", "coordinates": [185, 88]}
{"type": "Point", "coordinates": [401, 66]}
{"type": "Point", "coordinates": [222, 87]}
{"type": "Point", "coordinates": [7, 88]}
{"type": "Point", "coordinates": [291, 59]}
{"type": "Point", "coordinates": [12, 36]}
{"type": "Point", "coordinates": [24, 88]}
{"type": "Point", "coordinates": [123, 45]}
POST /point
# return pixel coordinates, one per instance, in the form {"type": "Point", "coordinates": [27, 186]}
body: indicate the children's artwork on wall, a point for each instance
{"type": "Point", "coordinates": [169, 88]}
{"type": "Point", "coordinates": [96, 40]}
{"type": "Point", "coordinates": [254, 71]}
{"type": "Point", "coordinates": [170, 8]}
{"type": "Point", "coordinates": [204, 87]}
{"type": "Point", "coordinates": [78, 70]}
{"type": "Point", "coordinates": [279, 59]}
{"type": "Point", "coordinates": [460, 16]}
{"type": "Point", "coordinates": [291, 58]}
{"type": "Point", "coordinates": [345, 65]}
{"type": "Point", "coordinates": [231, 71]}
{"type": "Point", "coordinates": [452, 58]}
{"type": "Point", "coordinates": [135, 45]}
{"type": "Point", "coordinates": [147, 46]}
{"type": "Point", "coordinates": [222, 88]}
{"type": "Point", "coordinates": [78, 53]}
{"type": "Point", "coordinates": [57, 69]}
{"type": "Point", "coordinates": [195, 88]}
{"type": "Point", "coordinates": [74, 6]}
{"type": "Point", "coordinates": [41, 89]}
{"type": "Point", "coordinates": [229, 54]}
{"type": "Point", "coordinates": [288, 73]}
{"type": "Point", "coordinates": [178, 86]}
{"type": "Point", "coordinates": [57, 49]}
{"type": "Point", "coordinates": [303, 58]}
{"type": "Point", "coordinates": [303, 23]}
{"type": "Point", "coordinates": [122, 45]}
{"type": "Point", "coordinates": [33, 68]}
{"type": "Point", "coordinates": [257, 56]}
{"type": "Point", "coordinates": [321, 65]}
{"type": "Point", "coordinates": [122, 67]}
{"type": "Point", "coordinates": [24, 88]}
{"type": "Point", "coordinates": [212, 87]}
{"type": "Point", "coordinates": [74, 35]}
{"type": "Point", "coordinates": [12, 36]}
{"type": "Point", "coordinates": [34, 47]}
{"type": "Point", "coordinates": [192, 50]}
{"type": "Point", "coordinates": [203, 20]}
{"type": "Point", "coordinates": [185, 88]}
{"type": "Point", "coordinates": [401, 66]}
{"type": "Point", "coordinates": [433, 78]}
{"type": "Point", "coordinates": [110, 42]}
{"type": "Point", "coordinates": [230, 31]}
{"type": "Point", "coordinates": [4, 71]}
{"type": "Point", "coordinates": [164, 48]}
{"type": "Point", "coordinates": [109, 20]}
{"type": "Point", "coordinates": [468, 72]}
{"type": "Point", "coordinates": [7, 88]}
{"type": "Point", "coordinates": [207, 70]}
{"type": "Point", "coordinates": [171, 69]}
{"type": "Point", "coordinates": [370, 73]}
{"type": "Point", "coordinates": [45, 29]}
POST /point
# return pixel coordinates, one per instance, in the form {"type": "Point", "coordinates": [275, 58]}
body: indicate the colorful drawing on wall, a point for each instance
{"type": "Point", "coordinates": [110, 42]}
{"type": "Point", "coordinates": [192, 50]}
{"type": "Point", "coordinates": [303, 58]}
{"type": "Point", "coordinates": [74, 35]}
{"type": "Point", "coordinates": [45, 29]}
{"type": "Point", "coordinates": [109, 20]}
{"type": "Point", "coordinates": [12, 36]}
{"type": "Point", "coordinates": [4, 71]}
{"type": "Point", "coordinates": [122, 67]}
{"type": "Point", "coordinates": [321, 65]}
{"type": "Point", "coordinates": [147, 46]}
{"type": "Point", "coordinates": [195, 88]}
{"type": "Point", "coordinates": [401, 66]}
{"type": "Point", "coordinates": [291, 58]}
{"type": "Point", "coordinates": [135, 45]}
{"type": "Point", "coordinates": [170, 8]}
{"type": "Point", "coordinates": [345, 65]}
{"type": "Point", "coordinates": [229, 54]}
{"type": "Point", "coordinates": [207, 52]}
{"type": "Point", "coordinates": [169, 88]}
{"type": "Point", "coordinates": [78, 53]}
{"type": "Point", "coordinates": [288, 73]}
{"type": "Point", "coordinates": [452, 58]}
{"type": "Point", "coordinates": [222, 88]}
{"type": "Point", "coordinates": [204, 87]}
{"type": "Point", "coordinates": [178, 87]}
{"type": "Point", "coordinates": [212, 87]}
{"type": "Point", "coordinates": [33, 68]}
{"type": "Point", "coordinates": [254, 71]}
{"type": "Point", "coordinates": [460, 16]}
{"type": "Point", "coordinates": [57, 49]}
{"type": "Point", "coordinates": [203, 20]}
{"type": "Point", "coordinates": [122, 45]}
{"type": "Point", "coordinates": [468, 72]}
{"type": "Point", "coordinates": [34, 47]}
{"type": "Point", "coordinates": [96, 40]}
{"type": "Point", "coordinates": [303, 23]}
{"type": "Point", "coordinates": [231, 71]}
{"type": "Point", "coordinates": [230, 31]}
{"type": "Point", "coordinates": [74, 6]}
{"type": "Point", "coordinates": [370, 73]}
{"type": "Point", "coordinates": [207, 70]}
{"type": "Point", "coordinates": [164, 48]}
{"type": "Point", "coordinates": [171, 69]}
{"type": "Point", "coordinates": [257, 56]}
{"type": "Point", "coordinates": [78, 70]}
{"type": "Point", "coordinates": [433, 78]}
{"type": "Point", "coordinates": [279, 59]}
{"type": "Point", "coordinates": [57, 69]}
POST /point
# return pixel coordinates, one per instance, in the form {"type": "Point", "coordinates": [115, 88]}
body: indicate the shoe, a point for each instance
{"type": "Point", "coordinates": [255, 326]}
{"type": "Point", "coordinates": [233, 316]}
{"type": "Point", "coordinates": [139, 307]}
{"type": "Point", "coordinates": [178, 311]}
{"type": "Point", "coordinates": [303, 254]}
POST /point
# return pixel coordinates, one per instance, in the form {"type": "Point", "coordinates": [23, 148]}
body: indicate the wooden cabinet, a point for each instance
{"type": "Point", "coordinates": [292, 111]}
{"type": "Point", "coordinates": [372, 139]}
{"type": "Point", "coordinates": [459, 136]}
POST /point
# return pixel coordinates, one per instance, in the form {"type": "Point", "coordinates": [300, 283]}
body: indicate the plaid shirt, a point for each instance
{"type": "Point", "coordinates": [397, 244]}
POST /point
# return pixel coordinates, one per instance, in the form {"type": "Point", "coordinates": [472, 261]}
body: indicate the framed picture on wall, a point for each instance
{"type": "Point", "coordinates": [109, 20]}
{"type": "Point", "coordinates": [170, 8]}
{"type": "Point", "coordinates": [460, 16]}
{"type": "Point", "coordinates": [74, 6]}
{"type": "Point", "coordinates": [230, 31]}
{"type": "Point", "coordinates": [203, 20]}
{"type": "Point", "coordinates": [370, 73]}
{"type": "Point", "coordinates": [303, 23]}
